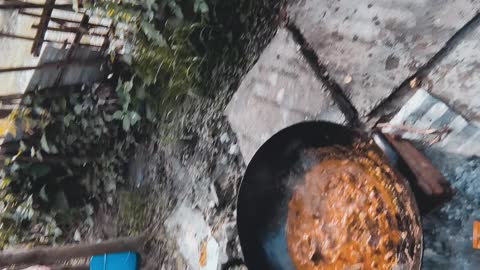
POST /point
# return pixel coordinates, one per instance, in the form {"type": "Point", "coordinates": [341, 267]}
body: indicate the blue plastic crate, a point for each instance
{"type": "Point", "coordinates": [115, 261]}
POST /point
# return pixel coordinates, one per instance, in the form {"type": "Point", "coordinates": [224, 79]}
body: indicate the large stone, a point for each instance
{"type": "Point", "coordinates": [370, 47]}
{"type": "Point", "coordinates": [280, 90]}
{"type": "Point", "coordinates": [456, 78]}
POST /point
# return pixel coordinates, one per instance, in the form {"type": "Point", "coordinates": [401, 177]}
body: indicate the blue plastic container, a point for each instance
{"type": "Point", "coordinates": [115, 261]}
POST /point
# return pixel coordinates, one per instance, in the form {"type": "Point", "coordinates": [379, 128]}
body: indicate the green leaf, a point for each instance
{"type": "Point", "coordinates": [107, 117]}
{"type": "Point", "coordinates": [57, 232]}
{"type": "Point", "coordinates": [42, 194]}
{"type": "Point", "coordinates": [39, 170]}
{"type": "Point", "coordinates": [27, 100]}
{"type": "Point", "coordinates": [63, 103]}
{"type": "Point", "coordinates": [23, 147]}
{"type": "Point", "coordinates": [149, 113]}
{"type": "Point", "coordinates": [53, 149]}
{"type": "Point", "coordinates": [152, 33]}
{"type": "Point", "coordinates": [117, 115]}
{"type": "Point", "coordinates": [39, 155]}
{"type": "Point", "coordinates": [78, 109]}
{"type": "Point", "coordinates": [44, 143]}
{"type": "Point", "coordinates": [140, 92]}
{"type": "Point", "coordinates": [134, 117]}
{"type": "Point", "coordinates": [127, 58]}
{"type": "Point", "coordinates": [127, 86]}
{"type": "Point", "coordinates": [84, 123]}
{"type": "Point", "coordinates": [150, 4]}
{"type": "Point", "coordinates": [172, 4]}
{"type": "Point", "coordinates": [200, 6]}
{"type": "Point", "coordinates": [126, 123]}
{"type": "Point", "coordinates": [67, 119]}
{"type": "Point", "coordinates": [5, 182]}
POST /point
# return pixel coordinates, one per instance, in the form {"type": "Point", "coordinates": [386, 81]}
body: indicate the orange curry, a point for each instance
{"type": "Point", "coordinates": [344, 216]}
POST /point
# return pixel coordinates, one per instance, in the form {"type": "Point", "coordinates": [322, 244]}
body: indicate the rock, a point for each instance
{"type": "Point", "coordinates": [77, 236]}
{"type": "Point", "coordinates": [189, 229]}
{"type": "Point", "coordinates": [233, 150]}
{"type": "Point", "coordinates": [224, 138]}
{"type": "Point", "coordinates": [223, 160]}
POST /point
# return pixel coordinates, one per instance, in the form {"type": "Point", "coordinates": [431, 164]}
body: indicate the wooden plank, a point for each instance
{"type": "Point", "coordinates": [50, 255]}
{"type": "Point", "coordinates": [43, 24]}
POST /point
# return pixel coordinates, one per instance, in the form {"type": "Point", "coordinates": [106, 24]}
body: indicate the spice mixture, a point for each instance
{"type": "Point", "coordinates": [346, 215]}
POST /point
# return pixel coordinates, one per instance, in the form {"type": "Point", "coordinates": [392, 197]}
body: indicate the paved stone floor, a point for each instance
{"type": "Point", "coordinates": [417, 61]}
{"type": "Point", "coordinates": [279, 90]}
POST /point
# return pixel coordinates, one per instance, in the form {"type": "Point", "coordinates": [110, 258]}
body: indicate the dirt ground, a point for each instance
{"type": "Point", "coordinates": [192, 156]}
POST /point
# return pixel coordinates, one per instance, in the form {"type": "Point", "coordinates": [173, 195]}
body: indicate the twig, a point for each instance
{"type": "Point", "coordinates": [439, 133]}
{"type": "Point", "coordinates": [409, 129]}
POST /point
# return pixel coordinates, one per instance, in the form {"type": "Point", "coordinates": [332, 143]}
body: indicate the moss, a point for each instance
{"type": "Point", "coordinates": [132, 212]}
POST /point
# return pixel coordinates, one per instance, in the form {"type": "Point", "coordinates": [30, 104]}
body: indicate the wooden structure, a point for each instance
{"type": "Point", "coordinates": [49, 23]}
{"type": "Point", "coordinates": [73, 29]}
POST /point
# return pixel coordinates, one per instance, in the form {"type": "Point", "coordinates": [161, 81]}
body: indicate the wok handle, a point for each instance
{"type": "Point", "coordinates": [382, 142]}
{"type": "Point", "coordinates": [428, 184]}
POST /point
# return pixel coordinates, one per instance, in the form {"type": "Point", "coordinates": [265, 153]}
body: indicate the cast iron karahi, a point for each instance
{"type": "Point", "coordinates": [267, 188]}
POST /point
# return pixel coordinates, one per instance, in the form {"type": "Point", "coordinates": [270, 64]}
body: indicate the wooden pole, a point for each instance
{"type": "Point", "coordinates": [55, 64]}
{"type": "Point", "coordinates": [44, 19]}
{"type": "Point", "coordinates": [8, 35]}
{"type": "Point", "coordinates": [70, 267]}
{"type": "Point", "coordinates": [54, 267]}
{"type": "Point", "coordinates": [19, 5]}
{"type": "Point", "coordinates": [50, 255]}
{"type": "Point", "coordinates": [61, 20]}
{"type": "Point", "coordinates": [72, 30]}
{"type": "Point", "coordinates": [78, 36]}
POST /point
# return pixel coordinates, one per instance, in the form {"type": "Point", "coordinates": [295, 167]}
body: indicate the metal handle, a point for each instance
{"type": "Point", "coordinates": [386, 147]}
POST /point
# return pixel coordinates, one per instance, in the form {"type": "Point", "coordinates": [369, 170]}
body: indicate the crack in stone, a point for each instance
{"type": "Point", "coordinates": [347, 108]}
{"type": "Point", "coordinates": [403, 91]}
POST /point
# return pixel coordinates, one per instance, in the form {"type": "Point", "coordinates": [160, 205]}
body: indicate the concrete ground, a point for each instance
{"type": "Point", "coordinates": [359, 63]}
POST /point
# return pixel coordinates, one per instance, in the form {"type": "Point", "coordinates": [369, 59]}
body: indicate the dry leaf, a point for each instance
{"type": "Point", "coordinates": [414, 83]}
{"type": "Point", "coordinates": [203, 253]}
{"type": "Point", "coordinates": [348, 79]}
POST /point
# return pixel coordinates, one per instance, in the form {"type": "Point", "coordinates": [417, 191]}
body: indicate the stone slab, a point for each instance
{"type": "Point", "coordinates": [448, 230]}
{"type": "Point", "coordinates": [370, 47]}
{"type": "Point", "coordinates": [456, 78]}
{"type": "Point", "coordinates": [280, 90]}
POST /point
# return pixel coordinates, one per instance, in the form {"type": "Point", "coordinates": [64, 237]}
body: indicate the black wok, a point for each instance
{"type": "Point", "coordinates": [267, 188]}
